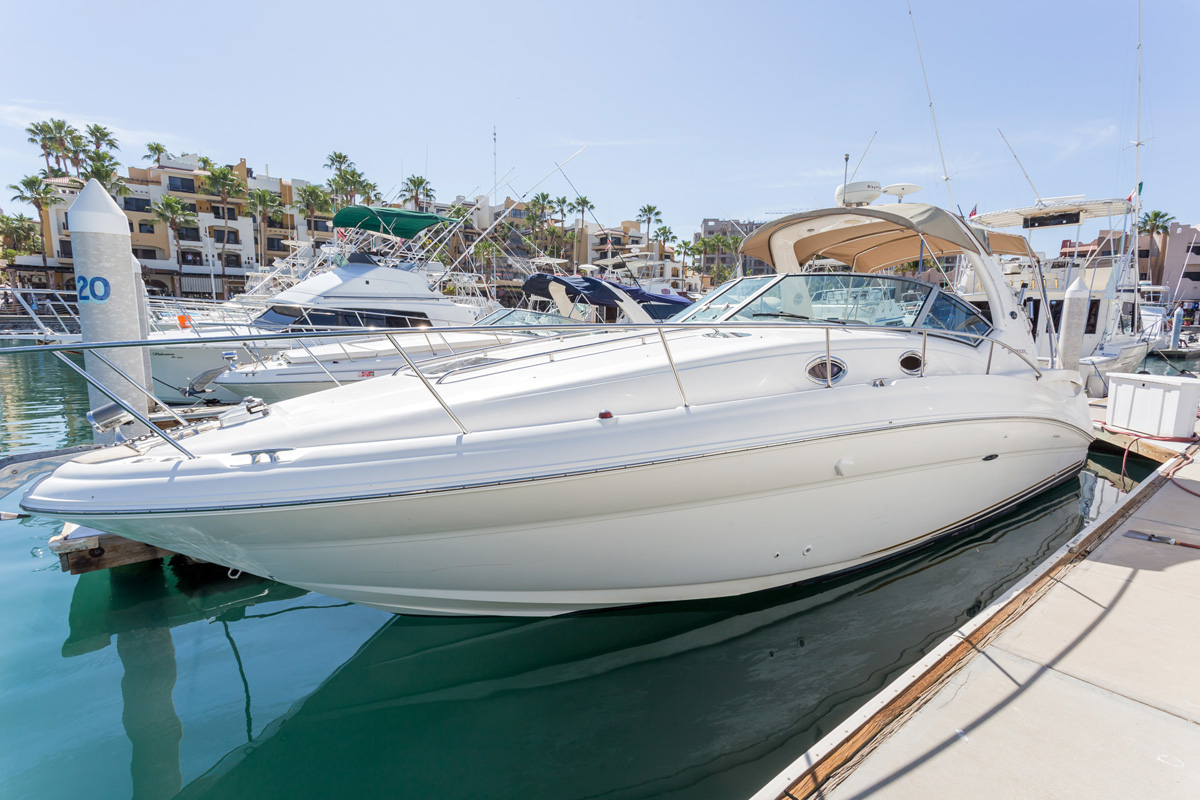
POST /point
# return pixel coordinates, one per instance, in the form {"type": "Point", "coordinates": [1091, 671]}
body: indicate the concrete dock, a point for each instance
{"type": "Point", "coordinates": [1083, 681]}
{"type": "Point", "coordinates": [1092, 692]}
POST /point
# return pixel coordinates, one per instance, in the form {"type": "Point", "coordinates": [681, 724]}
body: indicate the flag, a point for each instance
{"type": "Point", "coordinates": [1135, 193]}
{"type": "Point", "coordinates": [974, 211]}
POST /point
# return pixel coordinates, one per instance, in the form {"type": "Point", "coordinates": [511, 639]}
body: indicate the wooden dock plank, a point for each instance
{"type": "Point", "coordinates": [81, 550]}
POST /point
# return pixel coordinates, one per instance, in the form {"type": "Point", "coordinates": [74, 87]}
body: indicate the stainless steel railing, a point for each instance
{"type": "Point", "coordinates": [633, 331]}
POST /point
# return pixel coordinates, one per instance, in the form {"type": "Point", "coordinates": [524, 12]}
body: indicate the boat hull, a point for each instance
{"type": "Point", "coordinates": [708, 525]}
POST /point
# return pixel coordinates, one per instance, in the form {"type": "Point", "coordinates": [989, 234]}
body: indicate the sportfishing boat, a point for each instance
{"type": "Point", "coordinates": [307, 369]}
{"type": "Point", "coordinates": [755, 440]}
{"type": "Point", "coordinates": [360, 294]}
{"type": "Point", "coordinates": [1119, 330]}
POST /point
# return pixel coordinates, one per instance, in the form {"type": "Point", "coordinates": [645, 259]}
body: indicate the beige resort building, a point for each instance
{"type": "Point", "coordinates": [196, 269]}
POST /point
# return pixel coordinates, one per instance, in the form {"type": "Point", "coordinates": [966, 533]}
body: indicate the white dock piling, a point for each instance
{"type": "Point", "coordinates": [111, 297]}
{"type": "Point", "coordinates": [1074, 318]}
{"type": "Point", "coordinates": [1176, 328]}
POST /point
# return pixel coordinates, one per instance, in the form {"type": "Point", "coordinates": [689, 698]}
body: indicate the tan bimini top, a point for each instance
{"type": "Point", "coordinates": [872, 238]}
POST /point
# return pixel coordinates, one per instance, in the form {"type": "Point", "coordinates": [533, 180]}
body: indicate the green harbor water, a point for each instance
{"type": "Point", "coordinates": [158, 681]}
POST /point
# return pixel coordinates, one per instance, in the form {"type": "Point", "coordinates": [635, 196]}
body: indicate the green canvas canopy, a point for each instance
{"type": "Point", "coordinates": [391, 221]}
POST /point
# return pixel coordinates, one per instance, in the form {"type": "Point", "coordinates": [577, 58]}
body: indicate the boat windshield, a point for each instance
{"type": "Point", "coordinates": [526, 318]}
{"type": "Point", "coordinates": [854, 298]}
{"type": "Point", "coordinates": [287, 316]}
{"type": "Point", "coordinates": [723, 300]}
{"type": "Point", "coordinates": [847, 298]}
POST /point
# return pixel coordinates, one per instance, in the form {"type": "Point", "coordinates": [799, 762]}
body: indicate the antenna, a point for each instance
{"type": "Point", "coordinates": [1137, 162]}
{"type": "Point", "coordinates": [925, 77]}
{"type": "Point", "coordinates": [1022, 166]}
{"type": "Point", "coordinates": [845, 179]}
{"type": "Point", "coordinates": [495, 182]}
{"type": "Point", "coordinates": [864, 155]}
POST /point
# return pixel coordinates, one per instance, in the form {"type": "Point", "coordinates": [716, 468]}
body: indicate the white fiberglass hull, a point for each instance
{"type": "Point", "coordinates": [1120, 357]}
{"type": "Point", "coordinates": [173, 368]}
{"type": "Point", "coordinates": [422, 534]}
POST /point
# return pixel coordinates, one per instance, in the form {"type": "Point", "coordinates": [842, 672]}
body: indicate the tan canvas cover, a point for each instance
{"type": "Point", "coordinates": [885, 236]}
{"type": "Point", "coordinates": [1007, 244]}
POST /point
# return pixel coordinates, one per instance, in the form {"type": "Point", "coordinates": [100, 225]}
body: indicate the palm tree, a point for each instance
{"type": "Point", "coordinates": [651, 216]}
{"type": "Point", "coordinates": [414, 188]}
{"type": "Point", "coordinates": [8, 230]}
{"type": "Point", "coordinates": [580, 205]}
{"type": "Point", "coordinates": [224, 183]}
{"type": "Point", "coordinates": [1155, 222]}
{"type": "Point", "coordinates": [559, 206]}
{"type": "Point", "coordinates": [370, 193]}
{"type": "Point", "coordinates": [685, 250]}
{"type": "Point", "coordinates": [76, 144]}
{"type": "Point", "coordinates": [665, 235]}
{"type": "Point", "coordinates": [175, 214]}
{"type": "Point", "coordinates": [535, 214]}
{"type": "Point", "coordinates": [59, 132]}
{"type": "Point", "coordinates": [735, 244]}
{"type": "Point", "coordinates": [25, 234]}
{"type": "Point", "coordinates": [205, 163]}
{"type": "Point", "coordinates": [720, 244]}
{"type": "Point", "coordinates": [102, 137]}
{"type": "Point", "coordinates": [41, 195]}
{"type": "Point", "coordinates": [39, 134]}
{"type": "Point", "coordinates": [488, 250]}
{"type": "Point", "coordinates": [349, 184]}
{"type": "Point", "coordinates": [155, 153]}
{"type": "Point", "coordinates": [309, 200]}
{"type": "Point", "coordinates": [338, 162]}
{"type": "Point", "coordinates": [702, 247]}
{"type": "Point", "coordinates": [265, 205]}
{"type": "Point", "coordinates": [544, 203]}
{"type": "Point", "coordinates": [103, 167]}
{"type": "Point", "coordinates": [554, 238]}
{"type": "Point", "coordinates": [22, 231]}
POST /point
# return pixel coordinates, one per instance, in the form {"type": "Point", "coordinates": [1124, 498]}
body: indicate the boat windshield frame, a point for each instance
{"type": "Point", "coordinates": [942, 312]}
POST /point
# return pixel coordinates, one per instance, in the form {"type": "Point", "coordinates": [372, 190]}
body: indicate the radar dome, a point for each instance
{"type": "Point", "coordinates": [857, 193]}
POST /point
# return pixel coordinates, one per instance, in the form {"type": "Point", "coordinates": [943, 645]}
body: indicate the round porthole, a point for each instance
{"type": "Point", "coordinates": [911, 363]}
{"type": "Point", "coordinates": [826, 371]}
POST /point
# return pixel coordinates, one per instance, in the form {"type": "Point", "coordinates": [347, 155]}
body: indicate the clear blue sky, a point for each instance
{"type": "Point", "coordinates": [703, 109]}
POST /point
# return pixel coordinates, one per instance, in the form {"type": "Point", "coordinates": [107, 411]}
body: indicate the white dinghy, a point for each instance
{"type": "Point", "coordinates": [785, 428]}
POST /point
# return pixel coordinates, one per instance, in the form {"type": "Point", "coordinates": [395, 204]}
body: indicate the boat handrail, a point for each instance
{"type": "Point", "coordinates": [641, 331]}
{"type": "Point", "coordinates": [641, 328]}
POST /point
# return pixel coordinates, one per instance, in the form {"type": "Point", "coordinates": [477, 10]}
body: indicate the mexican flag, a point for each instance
{"type": "Point", "coordinates": [1135, 193]}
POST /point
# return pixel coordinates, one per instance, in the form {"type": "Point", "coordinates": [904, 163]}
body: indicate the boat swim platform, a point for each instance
{"type": "Point", "coordinates": [1080, 681]}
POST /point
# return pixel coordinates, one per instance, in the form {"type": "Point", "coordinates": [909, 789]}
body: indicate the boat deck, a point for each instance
{"type": "Point", "coordinates": [1080, 682]}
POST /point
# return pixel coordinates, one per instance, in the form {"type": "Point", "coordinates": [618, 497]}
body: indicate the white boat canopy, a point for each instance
{"type": "Point", "coordinates": [1054, 212]}
{"type": "Point", "coordinates": [872, 238]}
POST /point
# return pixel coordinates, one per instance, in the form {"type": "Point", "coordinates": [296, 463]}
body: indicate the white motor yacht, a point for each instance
{"type": "Point", "coordinates": [301, 371]}
{"type": "Point", "coordinates": [756, 440]}
{"type": "Point", "coordinates": [359, 294]}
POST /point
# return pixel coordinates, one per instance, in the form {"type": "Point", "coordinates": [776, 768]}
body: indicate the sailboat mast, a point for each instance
{"type": "Point", "coordinates": [933, 115]}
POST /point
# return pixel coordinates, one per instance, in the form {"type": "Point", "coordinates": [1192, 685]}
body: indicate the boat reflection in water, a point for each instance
{"type": "Point", "coordinates": [703, 699]}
